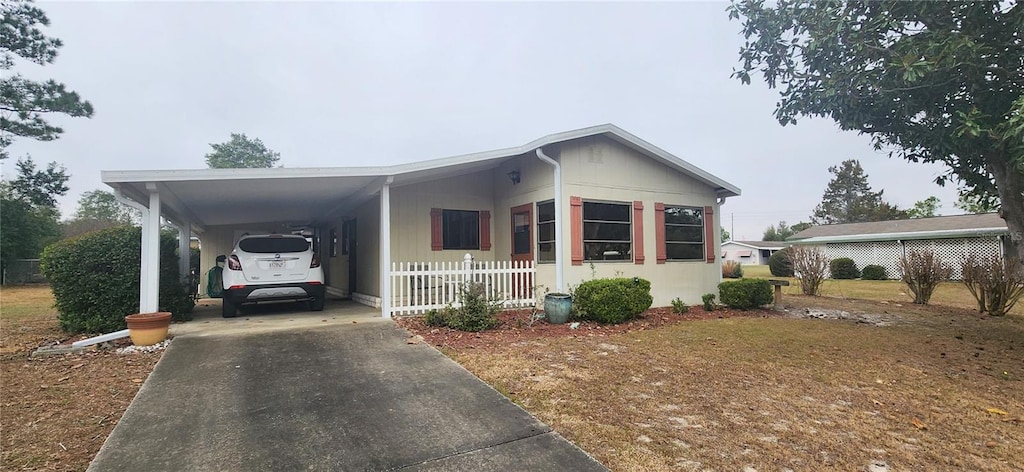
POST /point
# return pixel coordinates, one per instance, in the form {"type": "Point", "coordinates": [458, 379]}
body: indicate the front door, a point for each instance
{"type": "Point", "coordinates": [348, 246]}
{"type": "Point", "coordinates": [522, 245]}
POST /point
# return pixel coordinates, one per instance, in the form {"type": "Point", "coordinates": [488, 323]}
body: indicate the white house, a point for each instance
{"type": "Point", "coordinates": [884, 242]}
{"type": "Point", "coordinates": [597, 201]}
{"type": "Point", "coordinates": [751, 252]}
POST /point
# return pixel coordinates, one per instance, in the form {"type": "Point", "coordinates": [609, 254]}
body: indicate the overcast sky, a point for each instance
{"type": "Point", "coordinates": [344, 84]}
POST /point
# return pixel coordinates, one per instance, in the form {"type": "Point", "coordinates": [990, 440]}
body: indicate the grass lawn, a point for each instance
{"type": "Point", "coordinates": [57, 411]}
{"type": "Point", "coordinates": [952, 294]}
{"type": "Point", "coordinates": [936, 389]}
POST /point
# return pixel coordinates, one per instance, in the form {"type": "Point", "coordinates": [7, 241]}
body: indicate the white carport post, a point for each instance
{"type": "Point", "coordinates": [184, 249]}
{"type": "Point", "coordinates": [151, 253]}
{"type": "Point", "coordinates": [385, 248]}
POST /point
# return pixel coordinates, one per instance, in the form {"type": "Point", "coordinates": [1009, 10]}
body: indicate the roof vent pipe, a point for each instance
{"type": "Point", "coordinates": [559, 256]}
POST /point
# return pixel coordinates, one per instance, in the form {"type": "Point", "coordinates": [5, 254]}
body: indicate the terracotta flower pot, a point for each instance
{"type": "Point", "coordinates": [147, 329]}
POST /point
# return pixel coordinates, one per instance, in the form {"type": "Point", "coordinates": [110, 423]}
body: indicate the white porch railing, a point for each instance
{"type": "Point", "coordinates": [417, 287]}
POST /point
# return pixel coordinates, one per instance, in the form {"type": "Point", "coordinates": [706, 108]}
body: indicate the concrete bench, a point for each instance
{"type": "Point", "coordinates": [778, 291]}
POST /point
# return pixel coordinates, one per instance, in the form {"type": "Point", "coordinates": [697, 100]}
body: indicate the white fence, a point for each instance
{"type": "Point", "coordinates": [418, 287]}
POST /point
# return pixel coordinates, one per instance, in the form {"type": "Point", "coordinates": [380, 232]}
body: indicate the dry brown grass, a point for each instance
{"type": "Point", "coordinates": [56, 411]}
{"type": "Point", "coordinates": [950, 294]}
{"type": "Point", "coordinates": [776, 393]}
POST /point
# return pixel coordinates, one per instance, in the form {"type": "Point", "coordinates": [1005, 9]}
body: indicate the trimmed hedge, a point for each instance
{"type": "Point", "coordinates": [874, 272]}
{"type": "Point", "coordinates": [745, 294]}
{"type": "Point", "coordinates": [780, 265]}
{"type": "Point", "coordinates": [843, 268]}
{"type": "Point", "coordinates": [612, 300]}
{"type": "Point", "coordinates": [95, 279]}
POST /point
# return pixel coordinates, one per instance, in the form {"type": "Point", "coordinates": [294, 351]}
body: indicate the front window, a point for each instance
{"type": "Point", "coordinates": [461, 229]}
{"type": "Point", "coordinates": [684, 233]}
{"type": "Point", "coordinates": [607, 231]}
{"type": "Point", "coordinates": [546, 231]}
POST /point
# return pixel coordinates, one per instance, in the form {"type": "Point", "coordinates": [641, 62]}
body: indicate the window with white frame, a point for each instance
{"type": "Point", "coordinates": [607, 231]}
{"type": "Point", "coordinates": [684, 233]}
{"type": "Point", "coordinates": [461, 229]}
{"type": "Point", "coordinates": [546, 231]}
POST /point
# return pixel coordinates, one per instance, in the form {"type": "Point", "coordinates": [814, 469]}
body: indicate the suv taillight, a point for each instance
{"type": "Point", "coordinates": [314, 263]}
{"type": "Point", "coordinates": [234, 263]}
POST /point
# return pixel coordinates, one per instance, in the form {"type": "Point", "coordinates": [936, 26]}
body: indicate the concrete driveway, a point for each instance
{"type": "Point", "coordinates": [337, 397]}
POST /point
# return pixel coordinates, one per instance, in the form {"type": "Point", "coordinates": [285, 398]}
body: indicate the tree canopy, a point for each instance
{"type": "Point", "coordinates": [25, 103]}
{"type": "Point", "coordinates": [926, 208]}
{"type": "Point", "coordinates": [102, 205]}
{"type": "Point", "coordinates": [783, 231]}
{"type": "Point", "coordinates": [849, 198]}
{"type": "Point", "coordinates": [241, 152]}
{"type": "Point", "coordinates": [928, 81]}
{"type": "Point", "coordinates": [28, 212]}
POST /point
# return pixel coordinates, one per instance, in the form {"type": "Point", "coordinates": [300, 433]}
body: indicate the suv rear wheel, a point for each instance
{"type": "Point", "coordinates": [228, 308]}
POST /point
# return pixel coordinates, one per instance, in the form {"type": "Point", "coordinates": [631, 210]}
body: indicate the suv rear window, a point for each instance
{"type": "Point", "coordinates": [273, 245]}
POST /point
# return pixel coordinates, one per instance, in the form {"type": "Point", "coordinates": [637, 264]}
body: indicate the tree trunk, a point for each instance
{"type": "Point", "coordinates": [1009, 182]}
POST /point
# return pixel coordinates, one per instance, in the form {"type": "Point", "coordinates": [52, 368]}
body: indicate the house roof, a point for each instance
{"type": "Point", "coordinates": [759, 244]}
{"type": "Point", "coordinates": [917, 228]}
{"type": "Point", "coordinates": [236, 196]}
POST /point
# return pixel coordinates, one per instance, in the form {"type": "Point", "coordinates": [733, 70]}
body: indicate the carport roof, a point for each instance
{"type": "Point", "coordinates": [304, 195]}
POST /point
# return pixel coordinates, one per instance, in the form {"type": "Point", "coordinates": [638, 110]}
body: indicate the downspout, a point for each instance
{"type": "Point", "coordinates": [144, 268]}
{"type": "Point", "coordinates": [559, 257]}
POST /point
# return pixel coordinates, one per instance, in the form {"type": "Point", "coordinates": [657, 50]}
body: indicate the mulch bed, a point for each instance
{"type": "Point", "coordinates": [515, 327]}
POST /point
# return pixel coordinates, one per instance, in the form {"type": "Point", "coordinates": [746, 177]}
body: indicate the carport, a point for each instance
{"type": "Point", "coordinates": [208, 202]}
{"type": "Point", "coordinates": [220, 204]}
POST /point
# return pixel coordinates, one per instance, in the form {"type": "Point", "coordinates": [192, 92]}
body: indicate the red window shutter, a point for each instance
{"type": "Point", "coordinates": [709, 233]}
{"type": "Point", "coordinates": [659, 233]}
{"type": "Point", "coordinates": [436, 243]}
{"type": "Point", "coordinates": [576, 229]}
{"type": "Point", "coordinates": [638, 232]}
{"type": "Point", "coordinates": [485, 230]}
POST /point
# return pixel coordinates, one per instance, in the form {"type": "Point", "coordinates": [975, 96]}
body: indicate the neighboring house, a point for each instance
{"type": "Point", "coordinates": [884, 242]}
{"type": "Point", "coordinates": [751, 252]}
{"type": "Point", "coordinates": [594, 202]}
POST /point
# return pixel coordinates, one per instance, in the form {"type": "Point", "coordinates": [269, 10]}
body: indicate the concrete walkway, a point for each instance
{"type": "Point", "coordinates": [340, 397]}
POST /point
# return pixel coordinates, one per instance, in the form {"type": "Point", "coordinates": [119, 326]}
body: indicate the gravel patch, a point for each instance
{"type": "Point", "coordinates": [133, 349]}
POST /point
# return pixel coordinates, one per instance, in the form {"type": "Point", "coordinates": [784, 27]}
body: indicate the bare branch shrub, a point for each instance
{"type": "Point", "coordinates": [996, 284]}
{"type": "Point", "coordinates": [810, 267]}
{"type": "Point", "coordinates": [922, 272]}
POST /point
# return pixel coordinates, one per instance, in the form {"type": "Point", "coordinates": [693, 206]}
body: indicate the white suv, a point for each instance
{"type": "Point", "coordinates": [272, 267]}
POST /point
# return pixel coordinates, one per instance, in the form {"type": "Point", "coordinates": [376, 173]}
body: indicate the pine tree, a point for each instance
{"type": "Point", "coordinates": [849, 198]}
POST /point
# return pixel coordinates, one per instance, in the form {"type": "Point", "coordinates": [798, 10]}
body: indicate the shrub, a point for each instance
{"type": "Point", "coordinates": [780, 265]}
{"type": "Point", "coordinates": [476, 312]}
{"type": "Point", "coordinates": [709, 301]}
{"type": "Point", "coordinates": [843, 268]}
{"type": "Point", "coordinates": [922, 272]}
{"type": "Point", "coordinates": [874, 272]}
{"type": "Point", "coordinates": [732, 270]}
{"type": "Point", "coordinates": [745, 294]}
{"type": "Point", "coordinates": [434, 318]}
{"type": "Point", "coordinates": [997, 285]}
{"type": "Point", "coordinates": [613, 300]}
{"type": "Point", "coordinates": [95, 279]}
{"type": "Point", "coordinates": [678, 307]}
{"type": "Point", "coordinates": [809, 267]}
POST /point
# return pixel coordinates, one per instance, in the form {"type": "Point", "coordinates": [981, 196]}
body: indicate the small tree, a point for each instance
{"type": "Point", "coordinates": [922, 272]}
{"type": "Point", "coordinates": [810, 267]}
{"type": "Point", "coordinates": [995, 284]}
{"type": "Point", "coordinates": [240, 152]}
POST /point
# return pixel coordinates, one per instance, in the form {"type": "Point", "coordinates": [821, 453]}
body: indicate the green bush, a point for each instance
{"type": "Point", "coordinates": [780, 265]}
{"type": "Point", "coordinates": [732, 270]}
{"type": "Point", "coordinates": [95, 279]}
{"type": "Point", "coordinates": [709, 301]}
{"type": "Point", "coordinates": [435, 318]}
{"type": "Point", "coordinates": [874, 272]}
{"type": "Point", "coordinates": [745, 294]}
{"type": "Point", "coordinates": [679, 307]}
{"type": "Point", "coordinates": [613, 300]}
{"type": "Point", "coordinates": [843, 268]}
{"type": "Point", "coordinates": [475, 313]}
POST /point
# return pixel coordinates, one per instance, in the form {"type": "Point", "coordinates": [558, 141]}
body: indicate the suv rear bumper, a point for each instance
{"type": "Point", "coordinates": [273, 292]}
